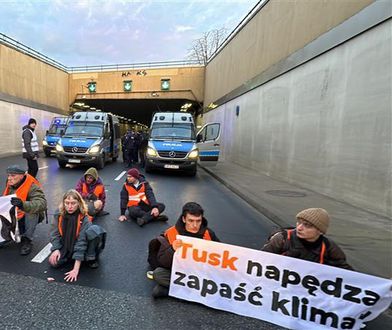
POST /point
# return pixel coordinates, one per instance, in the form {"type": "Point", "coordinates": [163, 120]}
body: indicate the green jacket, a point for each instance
{"type": "Point", "coordinates": [35, 201]}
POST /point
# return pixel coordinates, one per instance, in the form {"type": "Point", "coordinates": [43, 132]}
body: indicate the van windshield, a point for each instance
{"type": "Point", "coordinates": [84, 129]}
{"type": "Point", "coordinates": [56, 129]}
{"type": "Point", "coordinates": [174, 131]}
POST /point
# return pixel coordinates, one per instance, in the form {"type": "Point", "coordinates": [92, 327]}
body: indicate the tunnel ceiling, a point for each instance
{"type": "Point", "coordinates": [139, 110]}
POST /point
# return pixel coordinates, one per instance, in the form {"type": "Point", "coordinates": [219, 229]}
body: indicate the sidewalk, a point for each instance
{"type": "Point", "coordinates": [365, 237]}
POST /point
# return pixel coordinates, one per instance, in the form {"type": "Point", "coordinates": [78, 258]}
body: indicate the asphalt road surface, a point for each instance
{"type": "Point", "coordinates": [118, 294]}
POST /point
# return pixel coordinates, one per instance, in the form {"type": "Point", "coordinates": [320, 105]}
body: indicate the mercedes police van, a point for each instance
{"type": "Point", "coordinates": [53, 134]}
{"type": "Point", "coordinates": [174, 145]}
{"type": "Point", "coordinates": [90, 138]}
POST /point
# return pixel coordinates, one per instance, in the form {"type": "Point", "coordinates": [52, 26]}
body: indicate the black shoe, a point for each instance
{"type": "Point", "coordinates": [160, 291]}
{"type": "Point", "coordinates": [102, 213]}
{"type": "Point", "coordinates": [162, 217]}
{"type": "Point", "coordinates": [26, 247]}
{"type": "Point", "coordinates": [93, 264]}
{"type": "Point", "coordinates": [141, 222]}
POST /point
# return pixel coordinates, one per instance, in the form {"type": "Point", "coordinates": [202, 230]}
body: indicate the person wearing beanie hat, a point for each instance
{"type": "Point", "coordinates": [30, 203]}
{"type": "Point", "coordinates": [138, 197]}
{"type": "Point", "coordinates": [307, 241]}
{"type": "Point", "coordinates": [91, 188]}
{"type": "Point", "coordinates": [30, 146]}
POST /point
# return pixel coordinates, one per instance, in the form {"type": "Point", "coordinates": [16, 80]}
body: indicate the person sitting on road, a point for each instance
{"type": "Point", "coordinates": [307, 241]}
{"type": "Point", "coordinates": [30, 203]}
{"type": "Point", "coordinates": [74, 238]}
{"type": "Point", "coordinates": [191, 223]}
{"type": "Point", "coordinates": [91, 187]}
{"type": "Point", "coordinates": [138, 197]}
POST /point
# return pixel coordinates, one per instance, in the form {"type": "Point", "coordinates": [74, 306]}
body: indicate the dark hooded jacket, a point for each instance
{"type": "Point", "coordinates": [310, 251]}
{"type": "Point", "coordinates": [148, 191]}
{"type": "Point", "coordinates": [166, 251]}
{"type": "Point", "coordinates": [89, 195]}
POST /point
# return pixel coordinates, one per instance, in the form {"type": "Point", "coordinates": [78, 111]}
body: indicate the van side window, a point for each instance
{"type": "Point", "coordinates": [211, 132]}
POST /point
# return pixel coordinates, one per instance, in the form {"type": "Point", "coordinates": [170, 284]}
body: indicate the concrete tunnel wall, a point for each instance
{"type": "Point", "coordinates": [325, 125]}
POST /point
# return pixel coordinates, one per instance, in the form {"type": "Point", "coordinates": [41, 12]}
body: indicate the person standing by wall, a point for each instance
{"type": "Point", "coordinates": [30, 147]}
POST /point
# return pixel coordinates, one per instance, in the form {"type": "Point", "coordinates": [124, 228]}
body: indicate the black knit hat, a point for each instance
{"type": "Point", "coordinates": [32, 121]}
{"type": "Point", "coordinates": [15, 169]}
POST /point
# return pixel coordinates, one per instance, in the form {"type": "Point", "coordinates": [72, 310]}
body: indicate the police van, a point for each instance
{"type": "Point", "coordinates": [53, 134]}
{"type": "Point", "coordinates": [174, 145]}
{"type": "Point", "coordinates": [90, 138]}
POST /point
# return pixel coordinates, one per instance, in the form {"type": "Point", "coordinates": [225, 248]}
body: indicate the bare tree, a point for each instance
{"type": "Point", "coordinates": [203, 48]}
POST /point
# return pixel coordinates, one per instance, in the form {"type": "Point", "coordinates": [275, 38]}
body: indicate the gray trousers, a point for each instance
{"type": "Point", "coordinates": [162, 276]}
{"type": "Point", "coordinates": [28, 224]}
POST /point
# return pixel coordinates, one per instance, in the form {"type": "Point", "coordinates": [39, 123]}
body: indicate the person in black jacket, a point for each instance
{"type": "Point", "coordinates": [191, 223]}
{"type": "Point", "coordinates": [138, 197]}
{"type": "Point", "coordinates": [307, 240]}
{"type": "Point", "coordinates": [30, 147]}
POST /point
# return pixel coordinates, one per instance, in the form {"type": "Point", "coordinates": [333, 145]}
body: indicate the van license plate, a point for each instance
{"type": "Point", "coordinates": [77, 161]}
{"type": "Point", "coordinates": [174, 167]}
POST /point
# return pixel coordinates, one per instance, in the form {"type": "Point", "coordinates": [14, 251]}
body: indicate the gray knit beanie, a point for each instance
{"type": "Point", "coordinates": [317, 217]}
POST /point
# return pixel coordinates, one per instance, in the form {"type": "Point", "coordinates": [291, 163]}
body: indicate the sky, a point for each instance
{"type": "Point", "coordinates": [79, 33]}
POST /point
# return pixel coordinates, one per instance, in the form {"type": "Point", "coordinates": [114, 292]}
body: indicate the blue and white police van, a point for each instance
{"type": "Point", "coordinates": [174, 145]}
{"type": "Point", "coordinates": [90, 138]}
{"type": "Point", "coordinates": [53, 134]}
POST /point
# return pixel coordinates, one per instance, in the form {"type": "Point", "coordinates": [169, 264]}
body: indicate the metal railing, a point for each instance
{"type": "Point", "coordinates": [8, 41]}
{"type": "Point", "coordinates": [12, 43]}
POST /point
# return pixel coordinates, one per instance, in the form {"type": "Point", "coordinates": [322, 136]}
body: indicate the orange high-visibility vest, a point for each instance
{"type": "Point", "coordinates": [172, 233]}
{"type": "Point", "coordinates": [98, 190]}
{"type": "Point", "coordinates": [323, 246]}
{"type": "Point", "coordinates": [22, 191]}
{"type": "Point", "coordinates": [78, 226]}
{"type": "Point", "coordinates": [135, 196]}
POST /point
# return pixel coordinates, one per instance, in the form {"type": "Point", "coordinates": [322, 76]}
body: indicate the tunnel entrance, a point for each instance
{"type": "Point", "coordinates": [136, 111]}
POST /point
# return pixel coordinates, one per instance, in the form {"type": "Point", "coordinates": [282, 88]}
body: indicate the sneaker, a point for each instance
{"type": "Point", "coordinates": [160, 291]}
{"type": "Point", "coordinates": [150, 275]}
{"type": "Point", "coordinates": [93, 264]}
{"type": "Point", "coordinates": [162, 217]}
{"type": "Point", "coordinates": [26, 246]}
{"type": "Point", "coordinates": [141, 222]}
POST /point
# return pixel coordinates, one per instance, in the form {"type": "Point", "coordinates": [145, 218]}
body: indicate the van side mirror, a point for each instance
{"type": "Point", "coordinates": [47, 132]}
{"type": "Point", "coordinates": [199, 138]}
{"type": "Point", "coordinates": [62, 132]}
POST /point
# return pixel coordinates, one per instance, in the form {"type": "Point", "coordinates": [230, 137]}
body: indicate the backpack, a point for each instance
{"type": "Point", "coordinates": [153, 249]}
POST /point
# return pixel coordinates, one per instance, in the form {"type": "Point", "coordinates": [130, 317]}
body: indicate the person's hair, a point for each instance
{"type": "Point", "coordinates": [75, 195]}
{"type": "Point", "coordinates": [32, 121]}
{"type": "Point", "coordinates": [192, 208]}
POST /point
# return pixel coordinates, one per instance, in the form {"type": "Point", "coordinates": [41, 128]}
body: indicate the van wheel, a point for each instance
{"type": "Point", "coordinates": [193, 172]}
{"type": "Point", "coordinates": [114, 159]}
{"type": "Point", "coordinates": [147, 168]}
{"type": "Point", "coordinates": [62, 164]}
{"type": "Point", "coordinates": [47, 153]}
{"type": "Point", "coordinates": [101, 162]}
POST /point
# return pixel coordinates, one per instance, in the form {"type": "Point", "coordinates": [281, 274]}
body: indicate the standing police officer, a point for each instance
{"type": "Point", "coordinates": [30, 147]}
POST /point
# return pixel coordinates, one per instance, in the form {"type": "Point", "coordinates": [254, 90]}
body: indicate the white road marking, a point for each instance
{"type": "Point", "coordinates": [41, 168]}
{"type": "Point", "coordinates": [43, 254]}
{"type": "Point", "coordinates": [120, 175]}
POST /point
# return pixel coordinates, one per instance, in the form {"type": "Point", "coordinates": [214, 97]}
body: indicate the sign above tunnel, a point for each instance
{"type": "Point", "coordinates": [127, 84]}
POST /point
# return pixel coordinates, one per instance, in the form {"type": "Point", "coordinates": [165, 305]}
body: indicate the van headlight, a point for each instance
{"type": "Point", "coordinates": [59, 148]}
{"type": "Point", "coordinates": [194, 154]}
{"type": "Point", "coordinates": [151, 152]}
{"type": "Point", "coordinates": [44, 143]}
{"type": "Point", "coordinates": [93, 150]}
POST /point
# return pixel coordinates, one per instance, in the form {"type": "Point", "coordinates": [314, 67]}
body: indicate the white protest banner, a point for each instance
{"type": "Point", "coordinates": [290, 292]}
{"type": "Point", "coordinates": [9, 229]}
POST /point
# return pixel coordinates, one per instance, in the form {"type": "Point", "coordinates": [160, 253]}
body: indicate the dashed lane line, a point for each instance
{"type": "Point", "coordinates": [43, 254]}
{"type": "Point", "coordinates": [41, 168]}
{"type": "Point", "coordinates": [120, 175]}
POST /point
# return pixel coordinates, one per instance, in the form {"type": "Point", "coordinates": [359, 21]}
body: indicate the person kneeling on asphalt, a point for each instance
{"type": "Point", "coordinates": [191, 223]}
{"type": "Point", "coordinates": [138, 196]}
{"type": "Point", "coordinates": [307, 241]}
{"type": "Point", "coordinates": [74, 238]}
{"type": "Point", "coordinates": [91, 187]}
{"type": "Point", "coordinates": [30, 203]}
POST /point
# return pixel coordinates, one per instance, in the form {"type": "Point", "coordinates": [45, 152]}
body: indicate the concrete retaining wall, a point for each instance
{"type": "Point", "coordinates": [14, 117]}
{"type": "Point", "coordinates": [325, 126]}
